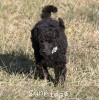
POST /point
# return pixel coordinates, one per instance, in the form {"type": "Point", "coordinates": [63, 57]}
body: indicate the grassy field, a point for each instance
{"type": "Point", "coordinates": [17, 18]}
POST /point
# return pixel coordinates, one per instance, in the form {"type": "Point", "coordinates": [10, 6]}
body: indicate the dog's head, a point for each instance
{"type": "Point", "coordinates": [47, 49]}
{"type": "Point", "coordinates": [47, 43]}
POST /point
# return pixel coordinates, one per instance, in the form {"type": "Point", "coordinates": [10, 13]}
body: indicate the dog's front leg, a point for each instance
{"type": "Point", "coordinates": [38, 73]}
{"type": "Point", "coordinates": [60, 73]}
{"type": "Point", "coordinates": [47, 75]}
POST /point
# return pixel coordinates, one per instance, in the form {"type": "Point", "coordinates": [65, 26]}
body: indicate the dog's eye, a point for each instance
{"type": "Point", "coordinates": [51, 45]}
{"type": "Point", "coordinates": [41, 41]}
{"type": "Point", "coordinates": [49, 41]}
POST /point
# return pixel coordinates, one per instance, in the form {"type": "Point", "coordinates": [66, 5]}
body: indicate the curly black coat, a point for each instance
{"type": "Point", "coordinates": [50, 45]}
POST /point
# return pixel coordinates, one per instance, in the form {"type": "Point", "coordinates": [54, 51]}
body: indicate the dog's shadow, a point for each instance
{"type": "Point", "coordinates": [16, 62]}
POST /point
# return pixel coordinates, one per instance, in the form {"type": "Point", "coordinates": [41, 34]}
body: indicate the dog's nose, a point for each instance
{"type": "Point", "coordinates": [44, 51]}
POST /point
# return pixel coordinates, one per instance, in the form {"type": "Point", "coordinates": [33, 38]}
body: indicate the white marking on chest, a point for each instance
{"type": "Point", "coordinates": [54, 50]}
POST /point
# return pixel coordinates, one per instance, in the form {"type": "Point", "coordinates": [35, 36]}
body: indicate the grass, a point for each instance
{"type": "Point", "coordinates": [16, 54]}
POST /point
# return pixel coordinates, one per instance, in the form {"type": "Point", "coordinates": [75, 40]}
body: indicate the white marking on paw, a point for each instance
{"type": "Point", "coordinates": [54, 49]}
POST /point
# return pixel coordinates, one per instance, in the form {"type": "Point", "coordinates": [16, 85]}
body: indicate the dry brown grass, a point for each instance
{"type": "Point", "coordinates": [16, 55]}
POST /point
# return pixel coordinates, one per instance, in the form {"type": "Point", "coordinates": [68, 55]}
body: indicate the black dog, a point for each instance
{"type": "Point", "coordinates": [50, 45]}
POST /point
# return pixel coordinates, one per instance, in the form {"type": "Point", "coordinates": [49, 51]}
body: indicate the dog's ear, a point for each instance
{"type": "Point", "coordinates": [61, 23]}
{"type": "Point", "coordinates": [35, 31]}
{"type": "Point", "coordinates": [34, 34]}
{"type": "Point", "coordinates": [57, 31]}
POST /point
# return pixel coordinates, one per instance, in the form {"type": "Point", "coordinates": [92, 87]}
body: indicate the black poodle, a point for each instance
{"type": "Point", "coordinates": [50, 45]}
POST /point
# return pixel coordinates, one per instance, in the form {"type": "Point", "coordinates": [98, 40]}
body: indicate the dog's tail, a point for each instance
{"type": "Point", "coordinates": [46, 11]}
